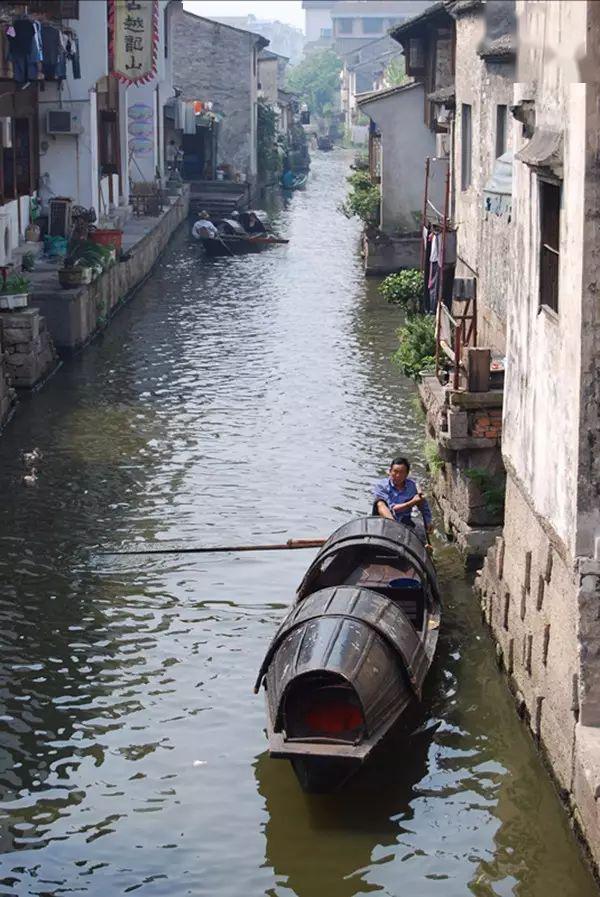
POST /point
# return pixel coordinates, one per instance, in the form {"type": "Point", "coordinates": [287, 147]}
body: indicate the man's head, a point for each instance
{"type": "Point", "coordinates": [172, 143]}
{"type": "Point", "coordinates": [251, 218]}
{"type": "Point", "coordinates": [203, 215]}
{"type": "Point", "coordinates": [235, 215]}
{"type": "Point", "coordinates": [399, 470]}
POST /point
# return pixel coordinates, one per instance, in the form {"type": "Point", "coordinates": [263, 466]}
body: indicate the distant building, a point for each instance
{"type": "Point", "coordinates": [283, 38]}
{"type": "Point", "coordinates": [355, 22]}
{"type": "Point", "coordinates": [318, 27]}
{"type": "Point", "coordinates": [216, 66]}
{"type": "Point", "coordinates": [364, 71]}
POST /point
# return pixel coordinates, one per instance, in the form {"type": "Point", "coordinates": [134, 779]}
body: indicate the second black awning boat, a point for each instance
{"type": "Point", "coordinates": [353, 652]}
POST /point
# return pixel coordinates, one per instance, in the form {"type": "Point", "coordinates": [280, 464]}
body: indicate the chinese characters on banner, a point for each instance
{"type": "Point", "coordinates": [133, 29]}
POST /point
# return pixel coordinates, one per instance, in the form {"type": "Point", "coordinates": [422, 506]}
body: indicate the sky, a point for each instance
{"type": "Point", "coordinates": [289, 11]}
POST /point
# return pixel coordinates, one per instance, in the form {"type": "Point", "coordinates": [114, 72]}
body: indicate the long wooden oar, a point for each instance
{"type": "Point", "coordinates": [149, 548]}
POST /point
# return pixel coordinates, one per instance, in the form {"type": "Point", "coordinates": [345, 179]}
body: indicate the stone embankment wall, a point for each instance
{"type": "Point", "coordinates": [466, 430]}
{"type": "Point", "coordinates": [29, 351]}
{"type": "Point", "coordinates": [75, 316]}
{"type": "Point", "coordinates": [8, 395]}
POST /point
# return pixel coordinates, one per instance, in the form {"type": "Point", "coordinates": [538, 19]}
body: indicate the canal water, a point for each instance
{"type": "Point", "coordinates": [244, 399]}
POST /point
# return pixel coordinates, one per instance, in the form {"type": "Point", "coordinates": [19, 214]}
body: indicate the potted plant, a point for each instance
{"type": "Point", "coordinates": [74, 274]}
{"type": "Point", "coordinates": [14, 293]}
{"type": "Point", "coordinates": [33, 230]}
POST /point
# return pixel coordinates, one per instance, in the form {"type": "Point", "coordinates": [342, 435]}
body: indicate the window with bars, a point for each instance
{"type": "Point", "coordinates": [550, 199]}
{"type": "Point", "coordinates": [466, 147]}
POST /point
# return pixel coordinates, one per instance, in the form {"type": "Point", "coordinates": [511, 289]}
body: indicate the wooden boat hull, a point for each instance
{"type": "Point", "coordinates": [352, 653]}
{"type": "Point", "coordinates": [234, 245]}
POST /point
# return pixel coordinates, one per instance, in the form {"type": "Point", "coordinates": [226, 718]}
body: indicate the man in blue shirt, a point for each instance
{"type": "Point", "coordinates": [396, 496]}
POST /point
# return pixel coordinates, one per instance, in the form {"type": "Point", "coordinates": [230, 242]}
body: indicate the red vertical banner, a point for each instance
{"type": "Point", "coordinates": [133, 40]}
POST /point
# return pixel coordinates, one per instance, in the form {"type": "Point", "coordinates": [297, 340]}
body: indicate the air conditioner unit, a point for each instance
{"type": "Point", "coordinates": [442, 146]}
{"type": "Point", "coordinates": [62, 121]}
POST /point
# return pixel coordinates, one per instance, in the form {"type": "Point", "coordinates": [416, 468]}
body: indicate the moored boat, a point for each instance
{"type": "Point", "coordinates": [233, 237]}
{"type": "Point", "coordinates": [353, 652]}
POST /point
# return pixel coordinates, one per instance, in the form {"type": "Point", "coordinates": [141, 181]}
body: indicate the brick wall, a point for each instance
{"type": "Point", "coordinates": [487, 423]}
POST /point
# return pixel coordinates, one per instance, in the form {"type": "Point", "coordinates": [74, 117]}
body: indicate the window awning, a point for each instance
{"type": "Point", "coordinates": [544, 150]}
{"type": "Point", "coordinates": [497, 193]}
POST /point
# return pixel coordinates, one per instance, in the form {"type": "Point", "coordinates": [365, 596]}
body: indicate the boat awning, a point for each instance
{"type": "Point", "coordinates": [497, 193]}
{"type": "Point", "coordinates": [544, 150]}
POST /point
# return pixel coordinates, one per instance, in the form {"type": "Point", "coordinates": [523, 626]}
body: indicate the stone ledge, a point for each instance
{"type": "Point", "coordinates": [466, 443]}
{"type": "Point", "coordinates": [472, 401]}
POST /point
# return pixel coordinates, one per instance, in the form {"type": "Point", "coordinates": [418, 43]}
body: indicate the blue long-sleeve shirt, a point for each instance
{"type": "Point", "coordinates": [384, 490]}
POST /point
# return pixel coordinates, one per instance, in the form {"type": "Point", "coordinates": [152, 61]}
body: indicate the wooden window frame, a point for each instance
{"type": "Point", "coordinates": [550, 203]}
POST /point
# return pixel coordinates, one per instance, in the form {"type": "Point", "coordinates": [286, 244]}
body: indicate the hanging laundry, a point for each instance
{"type": "Point", "coordinates": [198, 106]}
{"type": "Point", "coordinates": [72, 53]}
{"type": "Point", "coordinates": [24, 49]}
{"type": "Point", "coordinates": [190, 119]}
{"type": "Point", "coordinates": [54, 64]}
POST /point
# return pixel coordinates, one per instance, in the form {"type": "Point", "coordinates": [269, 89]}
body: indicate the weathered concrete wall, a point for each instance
{"type": "Point", "coordinates": [268, 79]}
{"type": "Point", "coordinates": [484, 239]}
{"type": "Point", "coordinates": [405, 144]}
{"type": "Point", "coordinates": [544, 349]}
{"type": "Point", "coordinates": [214, 62]}
{"type": "Point", "coordinates": [540, 587]}
{"type": "Point", "coordinates": [74, 316]}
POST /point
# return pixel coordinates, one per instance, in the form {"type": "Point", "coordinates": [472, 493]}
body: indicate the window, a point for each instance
{"type": "Point", "coordinates": [416, 56]}
{"type": "Point", "coordinates": [500, 130]}
{"type": "Point", "coordinates": [549, 243]}
{"type": "Point", "coordinates": [465, 146]}
{"type": "Point", "coordinates": [372, 26]}
{"type": "Point", "coordinates": [344, 26]}
{"type": "Point", "coordinates": [325, 32]}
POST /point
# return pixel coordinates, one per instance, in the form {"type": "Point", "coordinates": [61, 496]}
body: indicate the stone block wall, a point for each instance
{"type": "Point", "coordinates": [467, 480]}
{"type": "Point", "coordinates": [29, 351]}
{"type": "Point", "coordinates": [528, 592]}
{"type": "Point", "coordinates": [8, 396]}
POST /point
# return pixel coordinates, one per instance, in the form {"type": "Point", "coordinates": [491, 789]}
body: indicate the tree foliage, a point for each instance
{"type": "Point", "coordinates": [317, 81]}
{"type": "Point", "coordinates": [417, 346]}
{"type": "Point", "coordinates": [266, 139]}
{"type": "Point", "coordinates": [395, 72]}
{"type": "Point", "coordinates": [364, 199]}
{"type": "Point", "coordinates": [404, 288]}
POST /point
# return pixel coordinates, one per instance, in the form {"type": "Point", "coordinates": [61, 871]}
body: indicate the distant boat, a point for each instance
{"type": "Point", "coordinates": [353, 652]}
{"type": "Point", "coordinates": [297, 184]}
{"type": "Point", "coordinates": [324, 143]}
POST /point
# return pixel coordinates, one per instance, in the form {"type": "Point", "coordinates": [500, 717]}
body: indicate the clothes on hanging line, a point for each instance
{"type": "Point", "coordinates": [39, 50]}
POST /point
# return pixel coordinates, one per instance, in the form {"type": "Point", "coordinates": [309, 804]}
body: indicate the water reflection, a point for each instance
{"type": "Point", "coordinates": [241, 399]}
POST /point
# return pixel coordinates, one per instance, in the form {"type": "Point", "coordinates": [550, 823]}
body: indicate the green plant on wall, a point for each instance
{"type": "Point", "coordinates": [416, 352]}
{"type": "Point", "coordinates": [404, 288]}
{"type": "Point", "coordinates": [363, 199]}
{"type": "Point", "coordinates": [492, 488]}
{"type": "Point", "coordinates": [434, 461]}
{"type": "Point", "coordinates": [266, 139]}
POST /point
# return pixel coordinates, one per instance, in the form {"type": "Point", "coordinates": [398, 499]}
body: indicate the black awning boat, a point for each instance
{"type": "Point", "coordinates": [234, 237]}
{"type": "Point", "coordinates": [353, 652]}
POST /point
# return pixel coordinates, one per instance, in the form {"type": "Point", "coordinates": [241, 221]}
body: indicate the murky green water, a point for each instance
{"type": "Point", "coordinates": [244, 399]}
